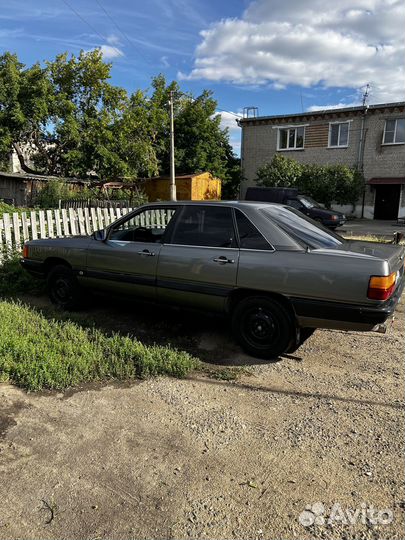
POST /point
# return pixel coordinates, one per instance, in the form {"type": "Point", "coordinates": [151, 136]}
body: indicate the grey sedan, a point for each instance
{"type": "Point", "coordinates": [277, 274]}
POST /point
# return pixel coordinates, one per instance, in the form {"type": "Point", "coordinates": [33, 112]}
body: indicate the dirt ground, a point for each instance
{"type": "Point", "coordinates": [206, 458]}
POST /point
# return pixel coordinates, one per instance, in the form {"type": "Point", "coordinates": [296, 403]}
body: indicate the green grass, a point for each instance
{"type": "Point", "coordinates": [40, 353]}
{"type": "Point", "coordinates": [10, 209]}
{"type": "Point", "coordinates": [14, 279]}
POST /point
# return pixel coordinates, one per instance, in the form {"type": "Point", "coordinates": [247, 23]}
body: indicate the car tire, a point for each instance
{"type": "Point", "coordinates": [63, 288]}
{"type": "Point", "coordinates": [305, 333]}
{"type": "Point", "coordinates": [263, 327]}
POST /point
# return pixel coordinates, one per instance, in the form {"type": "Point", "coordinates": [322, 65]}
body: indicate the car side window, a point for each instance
{"type": "Point", "coordinates": [295, 203]}
{"type": "Point", "coordinates": [249, 236]}
{"type": "Point", "coordinates": [147, 226]}
{"type": "Point", "coordinates": [205, 226]}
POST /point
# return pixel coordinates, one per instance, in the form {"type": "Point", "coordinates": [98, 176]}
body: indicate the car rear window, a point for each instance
{"type": "Point", "coordinates": [210, 226]}
{"type": "Point", "coordinates": [307, 231]}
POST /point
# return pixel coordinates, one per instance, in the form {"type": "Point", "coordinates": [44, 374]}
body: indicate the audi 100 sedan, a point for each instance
{"type": "Point", "coordinates": [277, 274]}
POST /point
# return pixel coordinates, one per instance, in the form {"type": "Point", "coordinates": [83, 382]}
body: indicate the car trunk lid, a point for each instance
{"type": "Point", "coordinates": [392, 253]}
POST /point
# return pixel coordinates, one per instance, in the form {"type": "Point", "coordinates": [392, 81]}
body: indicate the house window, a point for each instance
{"type": "Point", "coordinates": [339, 134]}
{"type": "Point", "coordinates": [291, 138]}
{"type": "Point", "coordinates": [394, 131]}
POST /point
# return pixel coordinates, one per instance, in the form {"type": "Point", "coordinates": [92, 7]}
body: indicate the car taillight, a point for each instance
{"type": "Point", "coordinates": [25, 251]}
{"type": "Point", "coordinates": [381, 287]}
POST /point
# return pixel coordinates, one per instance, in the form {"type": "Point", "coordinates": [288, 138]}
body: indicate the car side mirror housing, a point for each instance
{"type": "Point", "coordinates": [100, 236]}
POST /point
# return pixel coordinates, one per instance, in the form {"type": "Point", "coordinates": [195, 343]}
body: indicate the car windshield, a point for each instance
{"type": "Point", "coordinates": [308, 232]}
{"type": "Point", "coordinates": [308, 202]}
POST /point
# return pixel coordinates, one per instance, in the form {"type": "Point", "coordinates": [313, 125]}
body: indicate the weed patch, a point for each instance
{"type": "Point", "coordinates": [14, 279]}
{"type": "Point", "coordinates": [37, 353]}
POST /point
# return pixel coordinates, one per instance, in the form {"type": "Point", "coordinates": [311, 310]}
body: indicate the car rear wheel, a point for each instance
{"type": "Point", "coordinates": [63, 288]}
{"type": "Point", "coordinates": [263, 327]}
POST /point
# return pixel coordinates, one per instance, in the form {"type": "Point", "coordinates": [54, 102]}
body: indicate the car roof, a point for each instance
{"type": "Point", "coordinates": [236, 203]}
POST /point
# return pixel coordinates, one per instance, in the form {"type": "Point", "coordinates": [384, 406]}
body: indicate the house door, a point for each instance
{"type": "Point", "coordinates": [387, 201]}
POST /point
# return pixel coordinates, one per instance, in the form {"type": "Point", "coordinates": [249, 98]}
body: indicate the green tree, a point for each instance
{"type": "Point", "coordinates": [25, 101]}
{"type": "Point", "coordinates": [86, 107]}
{"type": "Point", "coordinates": [201, 144]}
{"type": "Point", "coordinates": [325, 183]}
{"type": "Point", "coordinates": [76, 123]}
{"type": "Point", "coordinates": [281, 171]}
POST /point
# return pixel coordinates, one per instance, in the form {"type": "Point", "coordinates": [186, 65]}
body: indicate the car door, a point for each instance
{"type": "Point", "coordinates": [259, 264]}
{"type": "Point", "coordinates": [198, 265]}
{"type": "Point", "coordinates": [126, 261]}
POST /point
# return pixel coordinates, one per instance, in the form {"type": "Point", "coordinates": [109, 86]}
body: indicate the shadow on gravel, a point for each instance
{"type": "Point", "coordinates": [205, 336]}
{"type": "Point", "coordinates": [299, 394]}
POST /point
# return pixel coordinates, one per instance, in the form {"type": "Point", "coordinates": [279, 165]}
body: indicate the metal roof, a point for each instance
{"type": "Point", "coordinates": [42, 178]}
{"type": "Point", "coordinates": [321, 112]}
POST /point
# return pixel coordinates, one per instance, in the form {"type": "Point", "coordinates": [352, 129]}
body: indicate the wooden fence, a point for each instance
{"type": "Point", "coordinates": [94, 203]}
{"type": "Point", "coordinates": [15, 229]}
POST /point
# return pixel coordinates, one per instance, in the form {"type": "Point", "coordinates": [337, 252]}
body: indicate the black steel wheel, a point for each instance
{"type": "Point", "coordinates": [264, 327]}
{"type": "Point", "coordinates": [63, 288]}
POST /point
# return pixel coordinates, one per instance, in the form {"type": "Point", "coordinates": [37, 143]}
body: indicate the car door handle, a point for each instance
{"type": "Point", "coordinates": [147, 253]}
{"type": "Point", "coordinates": [223, 260]}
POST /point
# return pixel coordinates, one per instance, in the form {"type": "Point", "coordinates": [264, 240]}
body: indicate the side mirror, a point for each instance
{"type": "Point", "coordinates": [100, 236]}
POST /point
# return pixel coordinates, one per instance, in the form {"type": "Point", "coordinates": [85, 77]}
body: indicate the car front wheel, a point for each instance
{"type": "Point", "coordinates": [263, 327]}
{"type": "Point", "coordinates": [63, 288]}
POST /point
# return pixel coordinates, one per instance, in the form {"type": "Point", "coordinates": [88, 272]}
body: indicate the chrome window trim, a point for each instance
{"type": "Point", "coordinates": [272, 250]}
{"type": "Point", "coordinates": [236, 248]}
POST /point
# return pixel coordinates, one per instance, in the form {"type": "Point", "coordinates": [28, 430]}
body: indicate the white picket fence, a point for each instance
{"type": "Point", "coordinates": [16, 229]}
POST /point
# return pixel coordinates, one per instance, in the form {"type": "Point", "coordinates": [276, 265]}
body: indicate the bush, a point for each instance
{"type": "Point", "coordinates": [10, 209]}
{"type": "Point", "coordinates": [280, 172]}
{"type": "Point", "coordinates": [325, 183]}
{"type": "Point", "coordinates": [6, 208]}
{"type": "Point", "coordinates": [14, 279]}
{"type": "Point", "coordinates": [54, 191]}
{"type": "Point", "coordinates": [58, 190]}
{"type": "Point", "coordinates": [37, 353]}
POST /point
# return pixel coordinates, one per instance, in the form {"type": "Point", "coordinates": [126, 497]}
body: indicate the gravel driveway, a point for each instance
{"type": "Point", "coordinates": [205, 458]}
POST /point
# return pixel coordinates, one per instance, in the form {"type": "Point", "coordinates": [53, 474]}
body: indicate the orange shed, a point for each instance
{"type": "Point", "coordinates": [194, 187]}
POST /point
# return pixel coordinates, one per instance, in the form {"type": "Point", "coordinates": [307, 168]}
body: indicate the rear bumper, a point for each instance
{"type": "Point", "coordinates": [35, 268]}
{"type": "Point", "coordinates": [321, 314]}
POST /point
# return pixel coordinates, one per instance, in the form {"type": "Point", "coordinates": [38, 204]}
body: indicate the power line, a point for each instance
{"type": "Point", "coordinates": [90, 26]}
{"type": "Point", "coordinates": [124, 35]}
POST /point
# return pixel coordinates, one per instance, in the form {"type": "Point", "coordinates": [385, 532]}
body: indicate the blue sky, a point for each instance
{"type": "Point", "coordinates": [281, 56]}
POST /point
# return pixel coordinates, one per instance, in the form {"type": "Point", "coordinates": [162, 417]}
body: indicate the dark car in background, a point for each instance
{"type": "Point", "coordinates": [299, 201]}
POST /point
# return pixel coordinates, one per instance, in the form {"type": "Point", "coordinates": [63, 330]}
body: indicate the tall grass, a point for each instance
{"type": "Point", "coordinates": [14, 279]}
{"type": "Point", "coordinates": [38, 353]}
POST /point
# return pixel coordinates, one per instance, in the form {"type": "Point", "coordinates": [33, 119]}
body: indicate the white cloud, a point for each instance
{"type": "Point", "coordinates": [109, 51]}
{"type": "Point", "coordinates": [112, 39]}
{"type": "Point", "coordinates": [165, 61]}
{"type": "Point", "coordinates": [228, 120]}
{"type": "Point", "coordinates": [342, 44]}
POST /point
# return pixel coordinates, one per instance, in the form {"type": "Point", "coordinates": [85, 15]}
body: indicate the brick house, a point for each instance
{"type": "Point", "coordinates": [371, 138]}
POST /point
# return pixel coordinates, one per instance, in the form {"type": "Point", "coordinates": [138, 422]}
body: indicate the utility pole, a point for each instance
{"type": "Point", "coordinates": [173, 195]}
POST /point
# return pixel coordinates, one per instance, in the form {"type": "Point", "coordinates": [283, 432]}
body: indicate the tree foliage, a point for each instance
{"type": "Point", "coordinates": [325, 183]}
{"type": "Point", "coordinates": [280, 172]}
{"type": "Point", "coordinates": [74, 122]}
